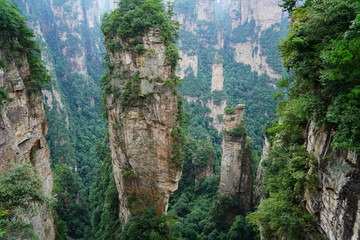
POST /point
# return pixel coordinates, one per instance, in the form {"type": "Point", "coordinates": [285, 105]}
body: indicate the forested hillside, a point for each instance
{"type": "Point", "coordinates": [311, 175]}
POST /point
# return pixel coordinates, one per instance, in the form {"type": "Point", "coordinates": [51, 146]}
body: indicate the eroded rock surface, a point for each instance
{"type": "Point", "coordinates": [23, 127]}
{"type": "Point", "coordinates": [259, 193]}
{"type": "Point", "coordinates": [336, 203]}
{"type": "Point", "coordinates": [235, 177]}
{"type": "Point", "coordinates": [141, 130]}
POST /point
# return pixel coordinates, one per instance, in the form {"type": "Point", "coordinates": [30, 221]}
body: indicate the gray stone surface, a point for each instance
{"type": "Point", "coordinates": [140, 136]}
{"type": "Point", "coordinates": [235, 177]}
{"type": "Point", "coordinates": [23, 128]}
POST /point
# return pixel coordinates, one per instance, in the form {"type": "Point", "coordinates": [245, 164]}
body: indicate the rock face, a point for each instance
{"type": "Point", "coordinates": [336, 204]}
{"type": "Point", "coordinates": [23, 127]}
{"type": "Point", "coordinates": [235, 177]}
{"type": "Point", "coordinates": [259, 192]}
{"type": "Point", "coordinates": [142, 130]}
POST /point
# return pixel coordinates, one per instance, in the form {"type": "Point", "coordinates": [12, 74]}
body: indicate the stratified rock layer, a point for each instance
{"type": "Point", "coordinates": [22, 129]}
{"type": "Point", "coordinates": [336, 204]}
{"type": "Point", "coordinates": [140, 132]}
{"type": "Point", "coordinates": [236, 178]}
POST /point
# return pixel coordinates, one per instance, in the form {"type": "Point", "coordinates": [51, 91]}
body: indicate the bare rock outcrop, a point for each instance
{"type": "Point", "coordinates": [259, 191]}
{"type": "Point", "coordinates": [236, 178]}
{"type": "Point", "coordinates": [336, 202]}
{"type": "Point", "coordinates": [143, 120]}
{"type": "Point", "coordinates": [23, 127]}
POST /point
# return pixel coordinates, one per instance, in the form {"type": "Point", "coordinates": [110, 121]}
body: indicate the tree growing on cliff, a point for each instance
{"type": "Point", "coordinates": [322, 50]}
{"type": "Point", "coordinates": [21, 192]}
{"type": "Point", "coordinates": [133, 18]}
{"type": "Point", "coordinates": [16, 39]}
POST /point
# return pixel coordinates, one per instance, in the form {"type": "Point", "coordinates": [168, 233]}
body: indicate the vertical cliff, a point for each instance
{"type": "Point", "coordinates": [336, 201]}
{"type": "Point", "coordinates": [144, 114]}
{"type": "Point", "coordinates": [23, 127]}
{"type": "Point", "coordinates": [236, 176]}
{"type": "Point", "coordinates": [259, 193]}
{"type": "Point", "coordinates": [23, 124]}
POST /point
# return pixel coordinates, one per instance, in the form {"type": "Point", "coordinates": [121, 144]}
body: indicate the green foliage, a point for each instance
{"type": "Point", "coordinates": [288, 5]}
{"type": "Point", "coordinates": [149, 226]}
{"type": "Point", "coordinates": [2, 64]}
{"type": "Point", "coordinates": [177, 154]}
{"type": "Point", "coordinates": [139, 49]}
{"type": "Point", "coordinates": [238, 131]}
{"type": "Point", "coordinates": [282, 220]}
{"type": "Point", "coordinates": [69, 201]}
{"type": "Point", "coordinates": [283, 213]}
{"type": "Point", "coordinates": [3, 96]}
{"type": "Point", "coordinates": [340, 80]}
{"type": "Point", "coordinates": [230, 110]}
{"type": "Point", "coordinates": [172, 53]}
{"type": "Point", "coordinates": [130, 95]}
{"type": "Point", "coordinates": [203, 155]}
{"type": "Point", "coordinates": [303, 52]}
{"type": "Point", "coordinates": [244, 32]}
{"type": "Point", "coordinates": [240, 230]}
{"type": "Point", "coordinates": [17, 39]}
{"type": "Point", "coordinates": [173, 82]}
{"type": "Point", "coordinates": [104, 198]}
{"type": "Point", "coordinates": [134, 18]}
{"type": "Point", "coordinates": [320, 49]}
{"type": "Point", "coordinates": [21, 191]}
{"type": "Point", "coordinates": [218, 97]}
{"type": "Point", "coordinates": [128, 174]}
{"type": "Point", "coordinates": [269, 41]}
{"type": "Point", "coordinates": [190, 42]}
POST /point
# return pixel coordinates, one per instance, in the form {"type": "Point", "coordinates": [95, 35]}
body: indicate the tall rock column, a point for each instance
{"type": "Point", "coordinates": [144, 124]}
{"type": "Point", "coordinates": [235, 178]}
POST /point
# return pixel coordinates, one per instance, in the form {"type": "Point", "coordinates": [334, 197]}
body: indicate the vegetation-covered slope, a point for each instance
{"type": "Point", "coordinates": [322, 50]}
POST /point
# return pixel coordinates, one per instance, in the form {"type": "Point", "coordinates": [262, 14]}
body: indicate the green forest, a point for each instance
{"type": "Point", "coordinates": [315, 48]}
